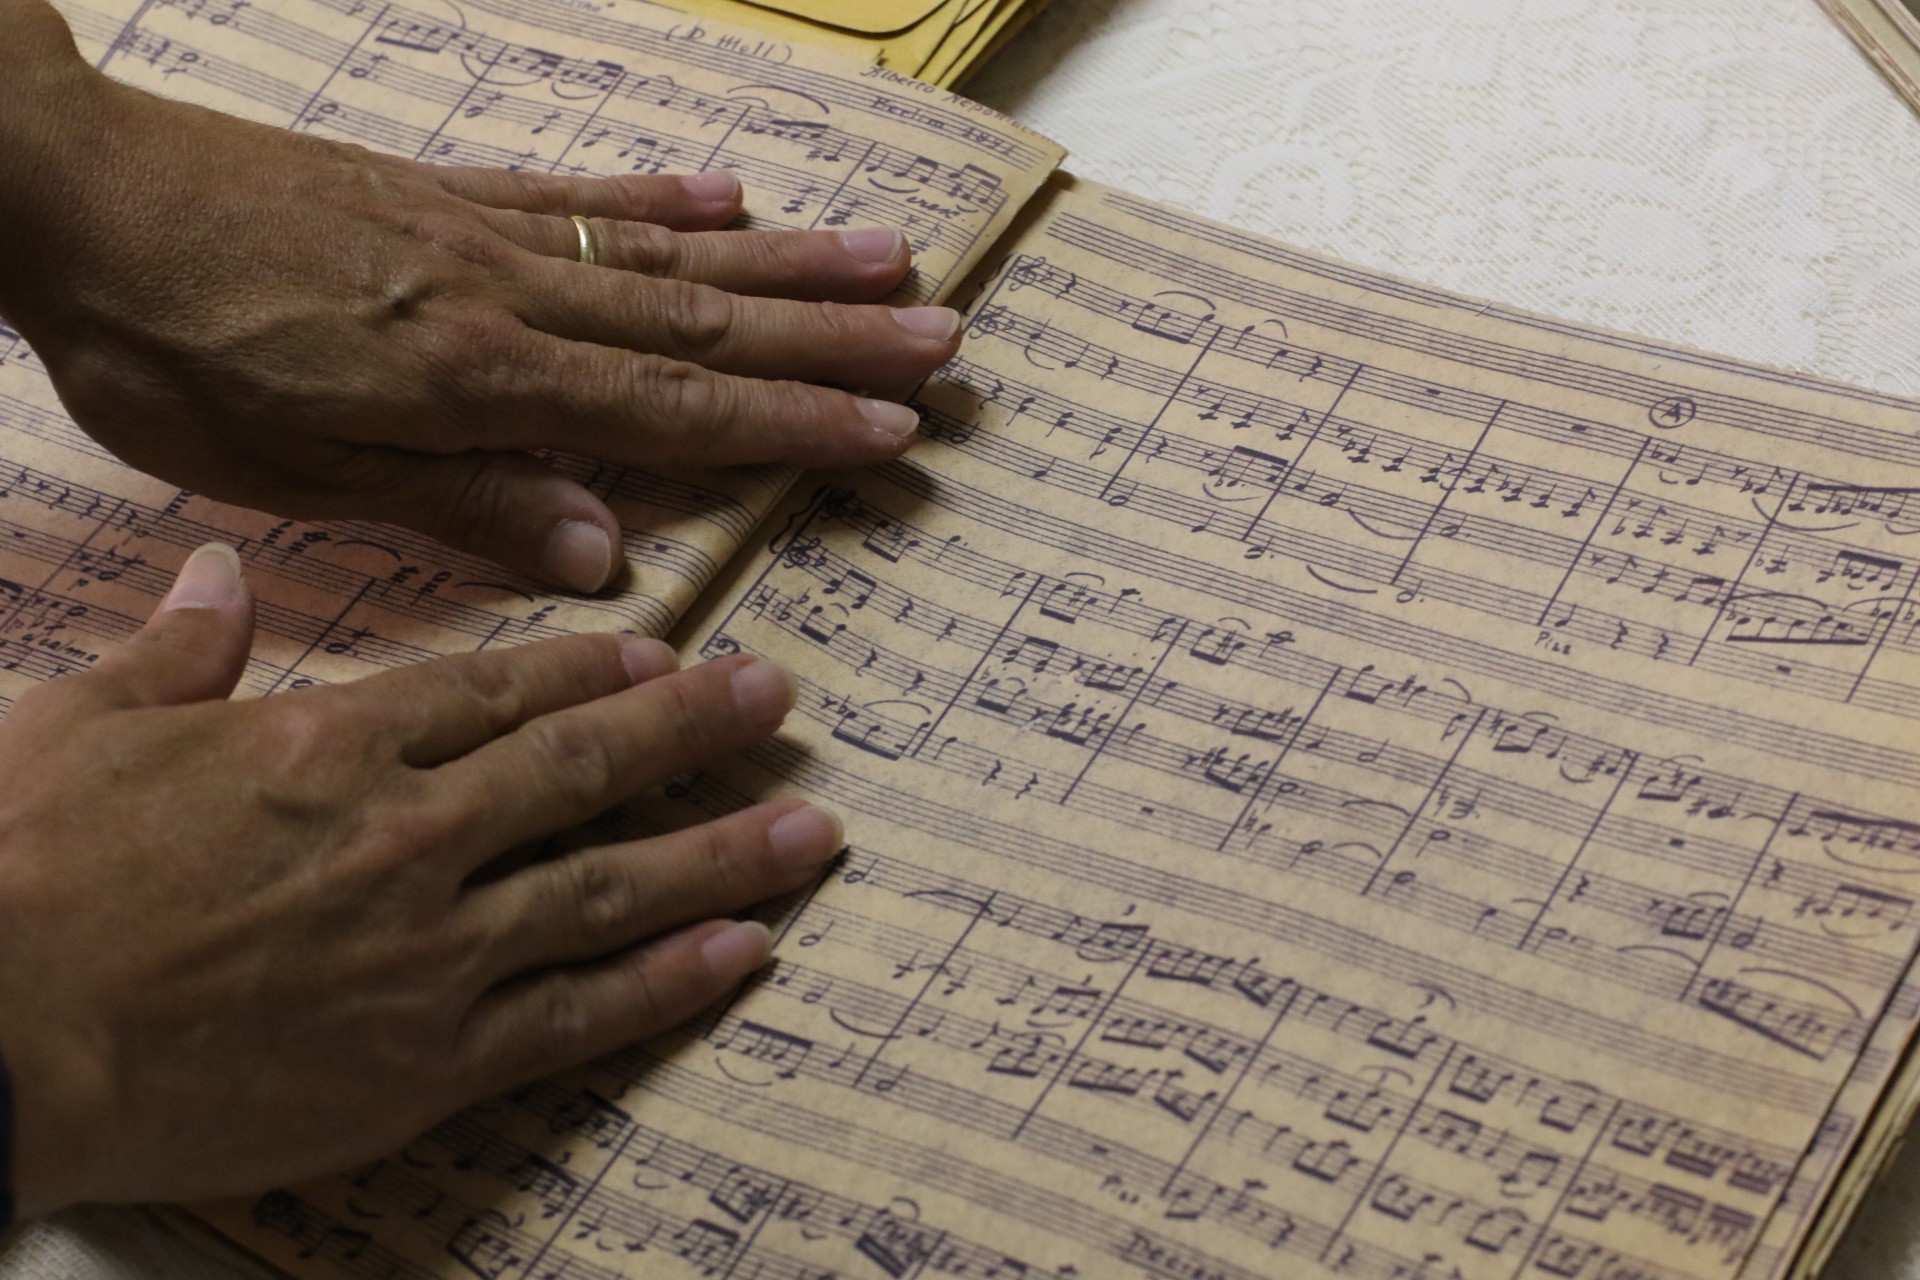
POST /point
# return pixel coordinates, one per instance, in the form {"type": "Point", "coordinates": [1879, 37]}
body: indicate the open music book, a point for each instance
{"type": "Point", "coordinates": [1341, 778]}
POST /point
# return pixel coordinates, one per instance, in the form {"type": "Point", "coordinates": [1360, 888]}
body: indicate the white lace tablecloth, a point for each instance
{"type": "Point", "coordinates": [1725, 173]}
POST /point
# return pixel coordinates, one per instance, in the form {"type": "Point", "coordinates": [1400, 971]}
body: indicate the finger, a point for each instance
{"type": "Point", "coordinates": [864, 265]}
{"type": "Point", "coordinates": [443, 709]}
{"type": "Point", "coordinates": [558, 1020]}
{"type": "Point", "coordinates": [627, 407]}
{"type": "Point", "coordinates": [693, 202]}
{"type": "Point", "coordinates": [193, 648]}
{"type": "Point", "coordinates": [503, 507]}
{"type": "Point", "coordinates": [849, 346]}
{"type": "Point", "coordinates": [605, 899]}
{"type": "Point", "coordinates": [558, 770]}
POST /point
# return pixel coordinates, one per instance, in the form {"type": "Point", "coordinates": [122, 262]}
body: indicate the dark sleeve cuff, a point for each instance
{"type": "Point", "coordinates": [6, 1147]}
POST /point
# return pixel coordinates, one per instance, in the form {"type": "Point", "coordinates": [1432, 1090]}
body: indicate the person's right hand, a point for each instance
{"type": "Point", "coordinates": [243, 943]}
{"type": "Point", "coordinates": [309, 328]}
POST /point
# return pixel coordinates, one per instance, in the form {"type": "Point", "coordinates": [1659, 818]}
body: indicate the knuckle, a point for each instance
{"type": "Point", "coordinates": [688, 723]}
{"type": "Point", "coordinates": [414, 1054]}
{"type": "Point", "coordinates": [787, 255]}
{"type": "Point", "coordinates": [546, 193]}
{"type": "Point", "coordinates": [564, 1021]}
{"type": "Point", "coordinates": [683, 394]}
{"type": "Point", "coordinates": [642, 194]}
{"type": "Point", "coordinates": [597, 893]}
{"type": "Point", "coordinates": [477, 505]}
{"type": "Point", "coordinates": [466, 351]}
{"type": "Point", "coordinates": [467, 945]}
{"type": "Point", "coordinates": [763, 256]}
{"type": "Point", "coordinates": [491, 686]}
{"type": "Point", "coordinates": [524, 189]}
{"type": "Point", "coordinates": [648, 1007]}
{"type": "Point", "coordinates": [485, 339]}
{"type": "Point", "coordinates": [464, 239]}
{"type": "Point", "coordinates": [415, 830]}
{"type": "Point", "coordinates": [841, 326]}
{"type": "Point", "coordinates": [303, 732]}
{"type": "Point", "coordinates": [811, 418]}
{"type": "Point", "coordinates": [698, 319]}
{"type": "Point", "coordinates": [505, 381]}
{"type": "Point", "coordinates": [315, 750]}
{"type": "Point", "coordinates": [571, 758]}
{"type": "Point", "coordinates": [366, 179]}
{"type": "Point", "coordinates": [645, 248]}
{"type": "Point", "coordinates": [715, 856]}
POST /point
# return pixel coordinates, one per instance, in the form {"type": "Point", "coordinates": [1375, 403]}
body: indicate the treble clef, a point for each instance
{"type": "Point", "coordinates": [1038, 273]}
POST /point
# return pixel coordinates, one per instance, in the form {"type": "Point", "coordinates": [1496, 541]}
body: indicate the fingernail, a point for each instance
{"type": "Point", "coordinates": [763, 692]}
{"type": "Point", "coordinates": [873, 244]}
{"type": "Point", "coordinates": [738, 949]}
{"type": "Point", "coordinates": [713, 186]}
{"type": "Point", "coordinates": [579, 554]}
{"type": "Point", "coordinates": [890, 419]}
{"type": "Point", "coordinates": [804, 838]}
{"type": "Point", "coordinates": [648, 659]}
{"type": "Point", "coordinates": [210, 579]}
{"type": "Point", "coordinates": [937, 323]}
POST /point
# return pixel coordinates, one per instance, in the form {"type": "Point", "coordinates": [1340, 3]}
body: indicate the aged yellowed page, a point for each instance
{"type": "Point", "coordinates": [606, 89]}
{"type": "Point", "coordinates": [847, 41]}
{"type": "Point", "coordinates": [927, 39]}
{"type": "Point", "coordinates": [1341, 779]}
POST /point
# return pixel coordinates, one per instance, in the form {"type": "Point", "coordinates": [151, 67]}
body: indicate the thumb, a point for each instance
{"type": "Point", "coordinates": [512, 510]}
{"type": "Point", "coordinates": [194, 647]}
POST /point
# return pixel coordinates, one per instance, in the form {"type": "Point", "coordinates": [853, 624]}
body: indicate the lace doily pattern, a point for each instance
{"type": "Point", "coordinates": [1730, 174]}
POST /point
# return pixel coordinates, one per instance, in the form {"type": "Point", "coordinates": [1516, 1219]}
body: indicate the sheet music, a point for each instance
{"type": "Point", "coordinates": [89, 546]}
{"type": "Point", "coordinates": [1341, 779]}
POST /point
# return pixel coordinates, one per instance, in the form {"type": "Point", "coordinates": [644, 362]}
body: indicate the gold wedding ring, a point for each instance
{"type": "Point", "coordinates": [589, 244]}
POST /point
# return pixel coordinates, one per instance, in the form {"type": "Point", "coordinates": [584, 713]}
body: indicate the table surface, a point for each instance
{"type": "Point", "coordinates": [1730, 174]}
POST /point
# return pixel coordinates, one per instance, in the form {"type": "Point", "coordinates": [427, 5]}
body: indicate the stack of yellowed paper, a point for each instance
{"type": "Point", "coordinates": [1889, 30]}
{"type": "Point", "coordinates": [938, 41]}
{"type": "Point", "coordinates": [1342, 780]}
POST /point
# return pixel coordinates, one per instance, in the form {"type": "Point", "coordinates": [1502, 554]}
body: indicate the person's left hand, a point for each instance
{"type": "Point", "coordinates": [244, 943]}
{"type": "Point", "coordinates": [310, 328]}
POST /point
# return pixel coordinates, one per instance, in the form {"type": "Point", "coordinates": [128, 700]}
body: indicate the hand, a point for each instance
{"type": "Point", "coordinates": [243, 943]}
{"type": "Point", "coordinates": [304, 326]}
